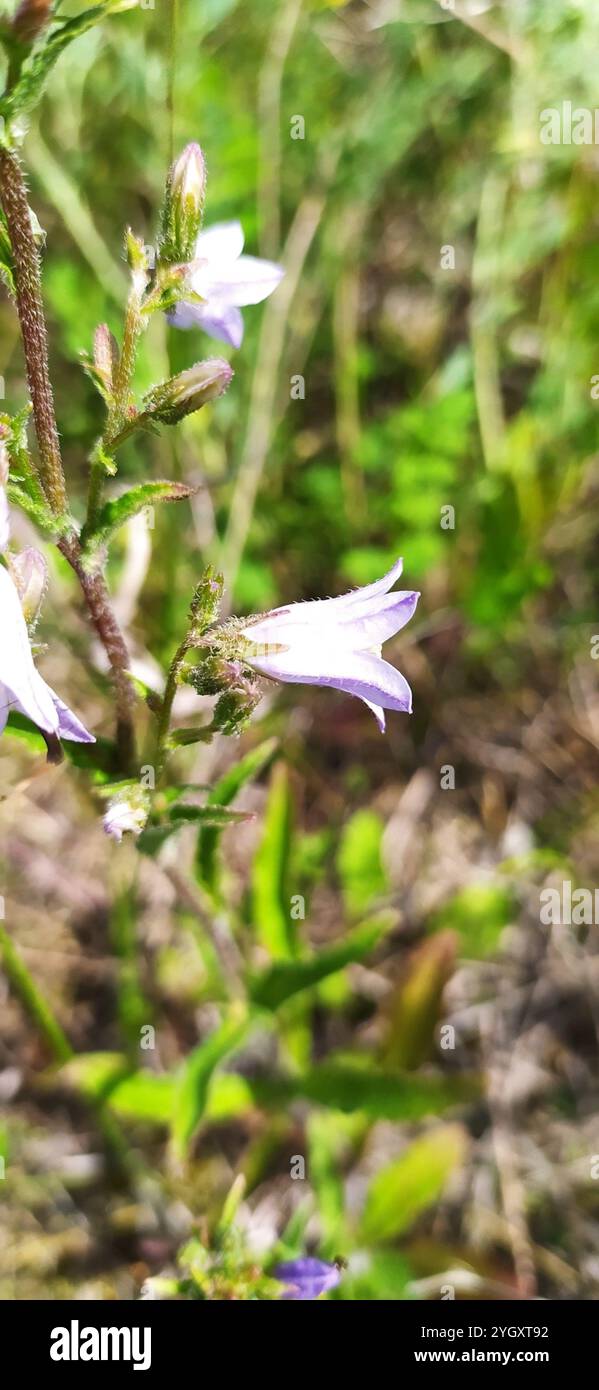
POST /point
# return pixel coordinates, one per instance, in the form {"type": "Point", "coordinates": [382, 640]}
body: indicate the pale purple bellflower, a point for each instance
{"type": "Point", "coordinates": [226, 281]}
{"type": "Point", "coordinates": [337, 642]}
{"type": "Point", "coordinates": [21, 686]}
{"type": "Point", "coordinates": [307, 1278]}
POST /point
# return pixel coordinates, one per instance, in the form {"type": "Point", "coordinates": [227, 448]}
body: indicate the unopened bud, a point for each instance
{"type": "Point", "coordinates": [214, 675]}
{"type": "Point", "coordinates": [234, 707]}
{"type": "Point", "coordinates": [207, 599]}
{"type": "Point", "coordinates": [183, 206]}
{"type": "Point", "coordinates": [182, 395]}
{"type": "Point", "coordinates": [106, 353]}
{"type": "Point", "coordinates": [29, 573]}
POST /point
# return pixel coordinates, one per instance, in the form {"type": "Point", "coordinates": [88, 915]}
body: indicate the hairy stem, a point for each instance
{"type": "Point", "coordinates": [101, 613]}
{"type": "Point", "coordinates": [170, 690]}
{"type": "Point", "coordinates": [13, 195]}
{"type": "Point", "coordinates": [118, 423]}
{"type": "Point", "coordinates": [33, 327]}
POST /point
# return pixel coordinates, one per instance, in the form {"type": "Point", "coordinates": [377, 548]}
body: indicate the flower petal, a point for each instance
{"type": "Point", "coordinates": [221, 243]}
{"type": "Point", "coordinates": [220, 321]}
{"type": "Point", "coordinates": [356, 673]}
{"type": "Point", "coordinates": [17, 671]}
{"type": "Point", "coordinates": [307, 1278]}
{"type": "Point", "coordinates": [185, 315]}
{"type": "Point", "coordinates": [248, 280]}
{"type": "Point", "coordinates": [320, 610]}
{"type": "Point", "coordinates": [369, 591]}
{"type": "Point", "coordinates": [378, 713]}
{"type": "Point", "coordinates": [69, 726]}
{"type": "Point", "coordinates": [357, 627]}
{"type": "Point", "coordinates": [21, 686]}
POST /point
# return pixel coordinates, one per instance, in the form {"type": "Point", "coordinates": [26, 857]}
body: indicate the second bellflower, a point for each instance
{"type": "Point", "coordinates": [226, 281]}
{"type": "Point", "coordinates": [337, 642]}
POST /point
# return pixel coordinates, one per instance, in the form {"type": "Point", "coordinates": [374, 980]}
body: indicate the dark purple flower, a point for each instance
{"type": "Point", "coordinates": [307, 1278]}
{"type": "Point", "coordinates": [337, 642]}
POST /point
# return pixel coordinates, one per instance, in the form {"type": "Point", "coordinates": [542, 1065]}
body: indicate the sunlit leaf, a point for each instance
{"type": "Point", "coordinates": [399, 1193]}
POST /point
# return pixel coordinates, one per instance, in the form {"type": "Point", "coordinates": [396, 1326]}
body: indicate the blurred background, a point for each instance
{"type": "Point", "coordinates": [424, 1102]}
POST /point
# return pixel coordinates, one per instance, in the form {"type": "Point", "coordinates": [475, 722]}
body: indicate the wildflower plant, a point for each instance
{"type": "Point", "coordinates": [200, 279]}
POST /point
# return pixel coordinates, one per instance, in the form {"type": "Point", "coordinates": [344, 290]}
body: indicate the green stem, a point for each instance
{"type": "Point", "coordinates": [107, 628]}
{"type": "Point", "coordinates": [170, 690]}
{"type": "Point", "coordinates": [118, 416]}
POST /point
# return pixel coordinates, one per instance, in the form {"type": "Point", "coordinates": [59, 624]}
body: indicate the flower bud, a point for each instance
{"type": "Point", "coordinates": [183, 206]}
{"type": "Point", "coordinates": [106, 353]}
{"type": "Point", "coordinates": [182, 395]}
{"type": "Point", "coordinates": [126, 814]}
{"type": "Point", "coordinates": [207, 599]}
{"type": "Point", "coordinates": [29, 573]}
{"type": "Point", "coordinates": [234, 707]}
{"type": "Point", "coordinates": [214, 675]}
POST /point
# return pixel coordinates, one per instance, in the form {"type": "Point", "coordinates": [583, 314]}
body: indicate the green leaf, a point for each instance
{"type": "Point", "coordinates": [133, 1008]}
{"type": "Point", "coordinates": [381, 1277]}
{"type": "Point", "coordinates": [184, 738]}
{"type": "Point", "coordinates": [330, 1139]}
{"type": "Point", "coordinates": [349, 1087]}
{"type": "Point", "coordinates": [274, 986]}
{"type": "Point", "coordinates": [35, 507]}
{"type": "Point", "coordinates": [98, 757]}
{"type": "Point", "coordinates": [479, 913]}
{"type": "Point", "coordinates": [146, 1097]}
{"type": "Point", "coordinates": [193, 1085]}
{"type": "Point", "coordinates": [359, 861]}
{"type": "Point", "coordinates": [119, 510]}
{"type": "Point", "coordinates": [399, 1193]}
{"type": "Point", "coordinates": [152, 839]}
{"type": "Point", "coordinates": [94, 1074]}
{"type": "Point", "coordinates": [225, 791]}
{"type": "Point", "coordinates": [271, 900]}
{"type": "Point", "coordinates": [413, 1006]}
{"type": "Point", "coordinates": [38, 63]}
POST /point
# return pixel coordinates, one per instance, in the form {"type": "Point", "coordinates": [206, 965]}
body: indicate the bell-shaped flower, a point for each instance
{"type": "Point", "coordinates": [226, 281]}
{"type": "Point", "coordinates": [337, 642]}
{"type": "Point", "coordinates": [21, 686]}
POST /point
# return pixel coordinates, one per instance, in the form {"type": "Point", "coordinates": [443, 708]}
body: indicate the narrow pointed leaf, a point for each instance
{"type": "Point", "coordinates": [286, 978]}
{"type": "Point", "coordinates": [399, 1193]}
{"type": "Point", "coordinates": [271, 900]}
{"type": "Point", "coordinates": [119, 510]}
{"type": "Point", "coordinates": [193, 1086]}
